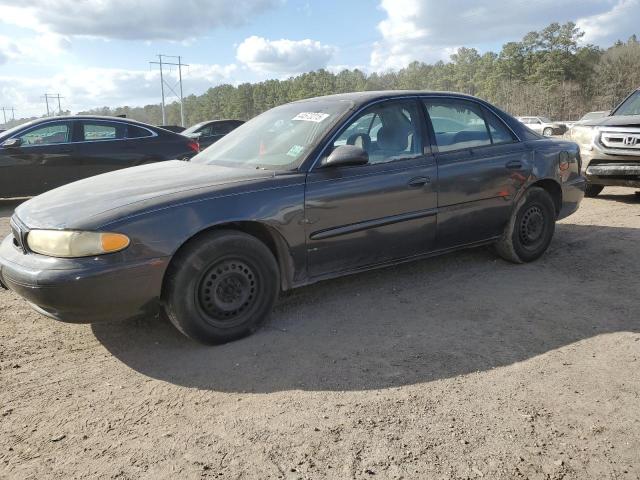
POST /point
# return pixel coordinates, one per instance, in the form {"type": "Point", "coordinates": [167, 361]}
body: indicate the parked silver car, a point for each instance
{"type": "Point", "coordinates": [543, 125]}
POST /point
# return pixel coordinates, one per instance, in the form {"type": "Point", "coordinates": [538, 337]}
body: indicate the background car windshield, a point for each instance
{"type": "Point", "coordinates": [631, 105]}
{"type": "Point", "coordinates": [192, 129]}
{"type": "Point", "coordinates": [278, 139]}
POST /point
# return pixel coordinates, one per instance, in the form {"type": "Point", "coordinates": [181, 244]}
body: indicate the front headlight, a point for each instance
{"type": "Point", "coordinates": [70, 244]}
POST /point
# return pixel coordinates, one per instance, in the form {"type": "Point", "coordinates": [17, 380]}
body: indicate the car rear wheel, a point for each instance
{"type": "Point", "coordinates": [530, 230]}
{"type": "Point", "coordinates": [547, 132]}
{"type": "Point", "coordinates": [221, 286]}
{"type": "Point", "coordinates": [593, 190]}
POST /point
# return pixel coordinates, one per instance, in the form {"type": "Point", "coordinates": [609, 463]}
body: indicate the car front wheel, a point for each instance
{"type": "Point", "coordinates": [547, 132]}
{"type": "Point", "coordinates": [530, 229]}
{"type": "Point", "coordinates": [221, 286]}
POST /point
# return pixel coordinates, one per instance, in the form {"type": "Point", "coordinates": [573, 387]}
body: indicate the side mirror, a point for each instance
{"type": "Point", "coordinates": [12, 143]}
{"type": "Point", "coordinates": [346, 155]}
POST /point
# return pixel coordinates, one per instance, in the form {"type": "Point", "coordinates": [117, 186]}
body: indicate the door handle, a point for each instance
{"type": "Point", "coordinates": [419, 182]}
{"type": "Point", "coordinates": [514, 165]}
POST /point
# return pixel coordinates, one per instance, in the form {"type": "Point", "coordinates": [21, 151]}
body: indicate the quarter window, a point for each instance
{"type": "Point", "coordinates": [387, 131]}
{"type": "Point", "coordinates": [101, 131]}
{"type": "Point", "coordinates": [47, 135]}
{"type": "Point", "coordinates": [137, 132]}
{"type": "Point", "coordinates": [499, 133]}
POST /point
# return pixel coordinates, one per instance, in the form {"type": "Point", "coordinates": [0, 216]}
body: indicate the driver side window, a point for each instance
{"type": "Point", "coordinates": [388, 131]}
{"type": "Point", "coordinates": [49, 134]}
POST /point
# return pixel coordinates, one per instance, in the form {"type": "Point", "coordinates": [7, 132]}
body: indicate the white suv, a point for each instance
{"type": "Point", "coordinates": [543, 125]}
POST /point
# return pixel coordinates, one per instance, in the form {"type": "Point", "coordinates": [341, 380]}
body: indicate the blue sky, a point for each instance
{"type": "Point", "coordinates": [99, 54]}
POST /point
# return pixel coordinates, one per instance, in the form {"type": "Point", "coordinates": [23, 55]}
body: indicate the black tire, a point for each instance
{"type": "Point", "coordinates": [530, 229]}
{"type": "Point", "coordinates": [547, 132]}
{"type": "Point", "coordinates": [592, 191]}
{"type": "Point", "coordinates": [221, 286]}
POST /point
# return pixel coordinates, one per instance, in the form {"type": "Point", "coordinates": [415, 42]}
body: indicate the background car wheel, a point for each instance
{"type": "Point", "coordinates": [530, 230]}
{"type": "Point", "coordinates": [547, 132]}
{"type": "Point", "coordinates": [593, 190]}
{"type": "Point", "coordinates": [221, 286]}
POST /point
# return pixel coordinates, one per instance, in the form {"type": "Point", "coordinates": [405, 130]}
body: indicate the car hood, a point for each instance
{"type": "Point", "coordinates": [614, 121]}
{"type": "Point", "coordinates": [129, 189]}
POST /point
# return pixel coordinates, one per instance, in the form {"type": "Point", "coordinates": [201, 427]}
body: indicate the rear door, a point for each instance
{"type": "Point", "coordinates": [45, 159]}
{"type": "Point", "coordinates": [105, 145]}
{"type": "Point", "coordinates": [481, 167]}
{"type": "Point", "coordinates": [358, 216]}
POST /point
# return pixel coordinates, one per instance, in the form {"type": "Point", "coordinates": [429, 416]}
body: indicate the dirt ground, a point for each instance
{"type": "Point", "coordinates": [462, 366]}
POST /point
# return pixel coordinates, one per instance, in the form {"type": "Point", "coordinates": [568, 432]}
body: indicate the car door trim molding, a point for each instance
{"type": "Point", "coordinates": [368, 224]}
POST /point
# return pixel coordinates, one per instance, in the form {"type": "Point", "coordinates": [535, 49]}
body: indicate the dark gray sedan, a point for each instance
{"type": "Point", "coordinates": [307, 191]}
{"type": "Point", "coordinates": [49, 152]}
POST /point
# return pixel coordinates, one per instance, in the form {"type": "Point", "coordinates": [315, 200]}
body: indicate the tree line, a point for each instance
{"type": "Point", "coordinates": [549, 72]}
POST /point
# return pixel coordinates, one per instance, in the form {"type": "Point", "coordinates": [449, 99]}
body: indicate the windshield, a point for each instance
{"type": "Point", "coordinates": [631, 106]}
{"type": "Point", "coordinates": [193, 128]}
{"type": "Point", "coordinates": [593, 115]}
{"type": "Point", "coordinates": [8, 133]}
{"type": "Point", "coordinates": [278, 139]}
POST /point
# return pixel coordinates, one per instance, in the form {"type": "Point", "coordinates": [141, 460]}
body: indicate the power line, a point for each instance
{"type": "Point", "coordinates": [163, 83]}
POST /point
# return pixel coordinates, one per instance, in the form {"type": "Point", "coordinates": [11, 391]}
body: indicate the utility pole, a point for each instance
{"type": "Point", "coordinates": [163, 83]}
{"type": "Point", "coordinates": [4, 113]}
{"type": "Point", "coordinates": [52, 96]}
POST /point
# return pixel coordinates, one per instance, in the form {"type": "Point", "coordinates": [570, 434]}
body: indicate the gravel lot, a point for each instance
{"type": "Point", "coordinates": [462, 366]}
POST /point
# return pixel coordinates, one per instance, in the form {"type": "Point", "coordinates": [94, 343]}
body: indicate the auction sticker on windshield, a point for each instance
{"type": "Point", "coordinates": [295, 150]}
{"type": "Point", "coordinates": [311, 117]}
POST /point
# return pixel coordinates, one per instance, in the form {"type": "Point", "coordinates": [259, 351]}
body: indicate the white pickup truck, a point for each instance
{"type": "Point", "coordinates": [610, 147]}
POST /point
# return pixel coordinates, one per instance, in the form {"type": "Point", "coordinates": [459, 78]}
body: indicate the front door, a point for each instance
{"type": "Point", "coordinates": [44, 160]}
{"type": "Point", "coordinates": [359, 216]}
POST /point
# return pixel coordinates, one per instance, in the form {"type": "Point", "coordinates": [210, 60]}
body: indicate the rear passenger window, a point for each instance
{"type": "Point", "coordinates": [457, 124]}
{"type": "Point", "coordinates": [101, 131]}
{"type": "Point", "coordinates": [137, 132]}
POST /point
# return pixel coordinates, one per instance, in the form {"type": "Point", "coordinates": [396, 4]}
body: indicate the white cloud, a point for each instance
{"type": "Point", "coordinates": [9, 50]}
{"type": "Point", "coordinates": [83, 88]}
{"type": "Point", "coordinates": [37, 49]}
{"type": "Point", "coordinates": [131, 19]}
{"type": "Point", "coordinates": [283, 57]}
{"type": "Point", "coordinates": [618, 23]}
{"type": "Point", "coordinates": [429, 30]}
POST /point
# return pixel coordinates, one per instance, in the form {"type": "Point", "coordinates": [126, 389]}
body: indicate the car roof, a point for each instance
{"type": "Point", "coordinates": [91, 117]}
{"type": "Point", "coordinates": [365, 97]}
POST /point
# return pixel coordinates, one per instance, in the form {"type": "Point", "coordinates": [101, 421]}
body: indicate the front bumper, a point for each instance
{"type": "Point", "coordinates": [84, 290]}
{"type": "Point", "coordinates": [602, 168]}
{"type": "Point", "coordinates": [614, 174]}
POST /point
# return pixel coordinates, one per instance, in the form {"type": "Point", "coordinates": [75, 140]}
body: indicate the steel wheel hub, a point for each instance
{"type": "Point", "coordinates": [227, 290]}
{"type": "Point", "coordinates": [532, 225]}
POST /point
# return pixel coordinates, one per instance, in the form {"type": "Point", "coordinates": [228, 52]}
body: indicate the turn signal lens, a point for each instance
{"type": "Point", "coordinates": [113, 242]}
{"type": "Point", "coordinates": [71, 244]}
